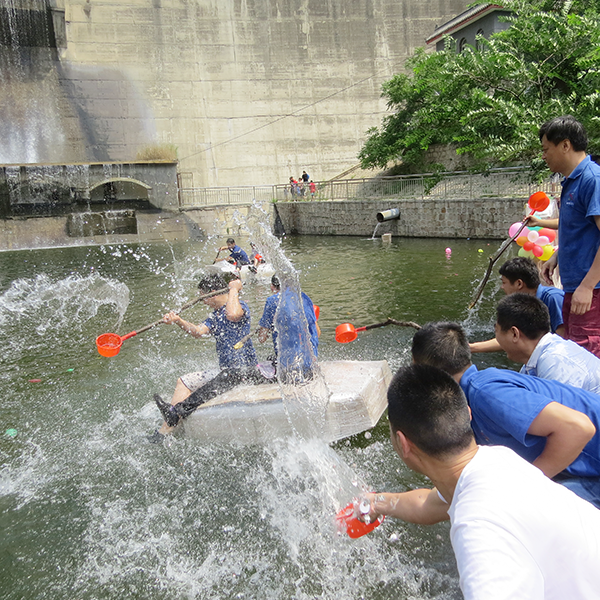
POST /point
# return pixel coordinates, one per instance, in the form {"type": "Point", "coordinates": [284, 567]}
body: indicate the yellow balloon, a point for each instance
{"type": "Point", "coordinates": [548, 252]}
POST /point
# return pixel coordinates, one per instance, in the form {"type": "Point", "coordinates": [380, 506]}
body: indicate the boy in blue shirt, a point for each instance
{"type": "Point", "coordinates": [520, 274]}
{"type": "Point", "coordinates": [237, 256]}
{"type": "Point", "coordinates": [550, 424]}
{"type": "Point", "coordinates": [228, 324]}
{"type": "Point", "coordinates": [282, 317]}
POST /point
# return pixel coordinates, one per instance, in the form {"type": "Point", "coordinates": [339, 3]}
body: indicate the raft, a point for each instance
{"type": "Point", "coordinates": [256, 413]}
{"type": "Point", "coordinates": [264, 270]}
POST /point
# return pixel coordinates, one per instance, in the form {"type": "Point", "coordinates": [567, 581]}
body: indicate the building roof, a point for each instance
{"type": "Point", "coordinates": [469, 16]}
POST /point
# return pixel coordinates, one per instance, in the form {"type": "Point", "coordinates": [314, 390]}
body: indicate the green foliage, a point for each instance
{"type": "Point", "coordinates": [490, 102]}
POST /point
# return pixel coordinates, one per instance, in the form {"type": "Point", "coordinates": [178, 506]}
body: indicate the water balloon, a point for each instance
{"type": "Point", "coordinates": [524, 253]}
{"type": "Point", "coordinates": [11, 432]}
{"type": "Point", "coordinates": [528, 246]}
{"type": "Point", "coordinates": [542, 240]}
{"type": "Point", "coordinates": [548, 252]}
{"type": "Point", "coordinates": [533, 235]}
{"type": "Point", "coordinates": [537, 251]}
{"type": "Point", "coordinates": [521, 240]}
{"type": "Point", "coordinates": [512, 230]}
{"type": "Point", "coordinates": [549, 233]}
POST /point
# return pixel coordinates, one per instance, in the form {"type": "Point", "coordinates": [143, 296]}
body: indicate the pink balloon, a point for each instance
{"type": "Point", "coordinates": [513, 229]}
{"type": "Point", "coordinates": [537, 250]}
{"type": "Point", "coordinates": [542, 241]}
{"type": "Point", "coordinates": [532, 236]}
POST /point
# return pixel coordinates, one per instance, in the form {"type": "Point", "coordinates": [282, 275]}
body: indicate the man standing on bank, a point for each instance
{"type": "Point", "coordinates": [564, 144]}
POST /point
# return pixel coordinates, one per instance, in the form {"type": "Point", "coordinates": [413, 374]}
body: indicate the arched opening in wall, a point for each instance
{"type": "Point", "coordinates": [122, 191]}
{"type": "Point", "coordinates": [462, 44]}
{"type": "Point", "coordinates": [479, 44]}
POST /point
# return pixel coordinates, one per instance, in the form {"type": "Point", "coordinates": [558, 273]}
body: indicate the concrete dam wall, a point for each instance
{"type": "Point", "coordinates": [249, 91]}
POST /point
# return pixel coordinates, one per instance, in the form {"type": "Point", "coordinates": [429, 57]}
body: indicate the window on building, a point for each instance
{"type": "Point", "coordinates": [479, 42]}
{"type": "Point", "coordinates": [462, 44]}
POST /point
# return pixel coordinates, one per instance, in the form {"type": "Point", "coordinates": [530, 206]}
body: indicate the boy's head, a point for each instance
{"type": "Point", "coordinates": [430, 409]}
{"type": "Point", "coordinates": [230, 242]}
{"type": "Point", "coordinates": [519, 273]}
{"type": "Point", "coordinates": [443, 345]}
{"type": "Point", "coordinates": [212, 283]}
{"type": "Point", "coordinates": [275, 283]}
{"type": "Point", "coordinates": [525, 312]}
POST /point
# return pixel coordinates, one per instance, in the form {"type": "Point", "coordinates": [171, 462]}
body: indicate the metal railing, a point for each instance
{"type": "Point", "coordinates": [498, 183]}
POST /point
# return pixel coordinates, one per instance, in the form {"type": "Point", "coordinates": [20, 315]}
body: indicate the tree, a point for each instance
{"type": "Point", "coordinates": [489, 102]}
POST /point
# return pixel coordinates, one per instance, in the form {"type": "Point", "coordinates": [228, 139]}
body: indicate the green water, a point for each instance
{"type": "Point", "coordinates": [90, 510]}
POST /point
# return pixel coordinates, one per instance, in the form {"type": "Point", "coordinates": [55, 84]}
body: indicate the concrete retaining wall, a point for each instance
{"type": "Point", "coordinates": [52, 232]}
{"type": "Point", "coordinates": [418, 218]}
{"type": "Point", "coordinates": [248, 90]}
{"type": "Point", "coordinates": [483, 219]}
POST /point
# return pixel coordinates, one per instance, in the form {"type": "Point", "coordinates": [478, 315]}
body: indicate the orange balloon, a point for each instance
{"type": "Point", "coordinates": [522, 240]}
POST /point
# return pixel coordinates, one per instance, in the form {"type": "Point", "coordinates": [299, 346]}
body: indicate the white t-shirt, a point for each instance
{"type": "Point", "coordinates": [564, 361]}
{"type": "Point", "coordinates": [519, 536]}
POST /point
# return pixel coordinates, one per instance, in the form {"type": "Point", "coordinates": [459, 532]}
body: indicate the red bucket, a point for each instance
{"type": "Point", "coordinates": [109, 344]}
{"type": "Point", "coordinates": [345, 333]}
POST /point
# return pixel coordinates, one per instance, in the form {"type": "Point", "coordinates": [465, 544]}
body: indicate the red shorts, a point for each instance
{"type": "Point", "coordinates": [583, 329]}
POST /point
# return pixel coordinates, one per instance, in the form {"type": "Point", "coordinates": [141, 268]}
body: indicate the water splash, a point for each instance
{"type": "Point", "coordinates": [55, 304]}
{"type": "Point", "coordinates": [305, 397]}
{"type": "Point", "coordinates": [38, 315]}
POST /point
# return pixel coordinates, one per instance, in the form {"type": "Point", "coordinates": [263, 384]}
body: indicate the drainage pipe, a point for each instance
{"type": "Point", "coordinates": [388, 215]}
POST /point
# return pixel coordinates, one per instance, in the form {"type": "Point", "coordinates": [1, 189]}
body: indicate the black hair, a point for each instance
{"type": "Point", "coordinates": [521, 268]}
{"type": "Point", "coordinates": [275, 282]}
{"type": "Point", "coordinates": [212, 283]}
{"type": "Point", "coordinates": [525, 312]}
{"type": "Point", "coordinates": [562, 128]}
{"type": "Point", "coordinates": [230, 241]}
{"type": "Point", "coordinates": [443, 345]}
{"type": "Point", "coordinates": [430, 409]}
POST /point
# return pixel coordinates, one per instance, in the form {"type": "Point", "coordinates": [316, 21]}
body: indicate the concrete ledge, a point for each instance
{"type": "Point", "coordinates": [51, 232]}
{"type": "Point", "coordinates": [437, 218]}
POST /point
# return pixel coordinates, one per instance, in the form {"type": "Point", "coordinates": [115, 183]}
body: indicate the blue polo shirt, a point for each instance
{"type": "Point", "coordinates": [505, 403]}
{"type": "Point", "coordinates": [578, 235]}
{"type": "Point", "coordinates": [228, 333]}
{"type": "Point", "coordinates": [553, 298]}
{"type": "Point", "coordinates": [239, 255]}
{"type": "Point", "coordinates": [293, 340]}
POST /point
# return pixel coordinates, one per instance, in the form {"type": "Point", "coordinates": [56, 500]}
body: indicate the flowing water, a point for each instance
{"type": "Point", "coordinates": [90, 510]}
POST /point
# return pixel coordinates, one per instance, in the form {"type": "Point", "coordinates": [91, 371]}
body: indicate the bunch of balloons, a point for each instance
{"type": "Point", "coordinates": [534, 241]}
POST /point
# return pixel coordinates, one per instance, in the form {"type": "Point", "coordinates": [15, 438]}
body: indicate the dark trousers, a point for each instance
{"type": "Point", "coordinates": [226, 380]}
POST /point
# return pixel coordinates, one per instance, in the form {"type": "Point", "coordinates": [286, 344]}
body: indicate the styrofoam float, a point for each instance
{"type": "Point", "coordinates": [264, 270]}
{"type": "Point", "coordinates": [255, 413]}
